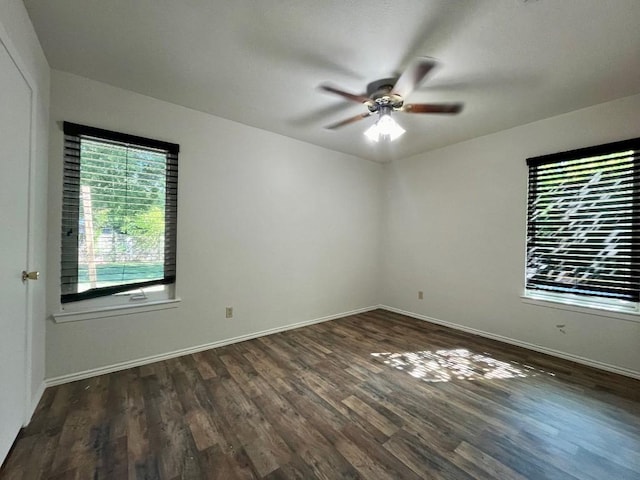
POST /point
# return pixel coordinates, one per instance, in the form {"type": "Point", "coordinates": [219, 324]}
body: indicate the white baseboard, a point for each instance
{"type": "Point", "coordinates": [94, 372]}
{"type": "Point", "coordinates": [530, 346]}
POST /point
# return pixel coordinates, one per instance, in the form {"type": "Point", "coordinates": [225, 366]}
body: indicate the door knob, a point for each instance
{"type": "Point", "coordinates": [30, 276]}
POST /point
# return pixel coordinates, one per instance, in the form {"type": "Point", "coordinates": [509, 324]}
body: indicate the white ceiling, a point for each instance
{"type": "Point", "coordinates": [259, 62]}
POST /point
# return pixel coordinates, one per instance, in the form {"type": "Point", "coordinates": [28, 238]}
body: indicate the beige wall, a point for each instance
{"type": "Point", "coordinates": [455, 228]}
{"type": "Point", "coordinates": [281, 230]}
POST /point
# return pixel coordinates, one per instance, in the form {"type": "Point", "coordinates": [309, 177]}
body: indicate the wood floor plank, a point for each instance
{"type": "Point", "coordinates": [315, 449]}
{"type": "Point", "coordinates": [420, 458]}
{"type": "Point", "coordinates": [479, 461]}
{"type": "Point", "coordinates": [225, 465]}
{"type": "Point", "coordinates": [203, 430]}
{"type": "Point", "coordinates": [371, 396]}
{"type": "Point", "coordinates": [384, 459]}
{"type": "Point", "coordinates": [138, 450]}
{"type": "Point", "coordinates": [169, 439]}
{"type": "Point", "coordinates": [263, 445]}
{"type": "Point", "coordinates": [74, 441]}
{"type": "Point", "coordinates": [205, 370]}
{"type": "Point", "coordinates": [531, 463]}
{"type": "Point", "coordinates": [377, 420]}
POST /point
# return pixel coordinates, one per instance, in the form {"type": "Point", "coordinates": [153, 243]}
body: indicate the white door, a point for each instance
{"type": "Point", "coordinates": [15, 133]}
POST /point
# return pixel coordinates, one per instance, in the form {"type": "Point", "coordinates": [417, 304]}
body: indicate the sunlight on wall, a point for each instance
{"type": "Point", "coordinates": [462, 364]}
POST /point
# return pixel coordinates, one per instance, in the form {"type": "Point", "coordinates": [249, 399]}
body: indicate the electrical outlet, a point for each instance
{"type": "Point", "coordinates": [229, 312]}
{"type": "Point", "coordinates": [420, 295]}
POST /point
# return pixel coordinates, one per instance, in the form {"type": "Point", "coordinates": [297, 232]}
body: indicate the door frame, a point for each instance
{"type": "Point", "coordinates": [30, 403]}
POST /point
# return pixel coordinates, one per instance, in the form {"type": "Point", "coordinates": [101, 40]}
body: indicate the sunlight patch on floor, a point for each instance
{"type": "Point", "coordinates": [462, 364]}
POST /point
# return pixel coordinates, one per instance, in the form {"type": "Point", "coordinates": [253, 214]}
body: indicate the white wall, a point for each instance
{"type": "Point", "coordinates": [455, 228]}
{"type": "Point", "coordinates": [286, 232]}
{"type": "Point", "coordinates": [15, 21]}
{"type": "Point", "coordinates": [281, 230]}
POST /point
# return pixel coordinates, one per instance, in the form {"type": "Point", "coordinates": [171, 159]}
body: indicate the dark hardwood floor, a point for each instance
{"type": "Point", "coordinates": [371, 396]}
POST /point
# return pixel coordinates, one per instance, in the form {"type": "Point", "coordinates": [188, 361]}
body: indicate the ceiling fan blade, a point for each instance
{"type": "Point", "coordinates": [451, 108]}
{"type": "Point", "coordinates": [413, 76]}
{"type": "Point", "coordinates": [349, 96]}
{"type": "Point", "coordinates": [348, 121]}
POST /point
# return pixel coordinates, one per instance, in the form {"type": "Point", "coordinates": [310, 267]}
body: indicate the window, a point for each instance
{"type": "Point", "coordinates": [119, 213]}
{"type": "Point", "coordinates": [583, 225]}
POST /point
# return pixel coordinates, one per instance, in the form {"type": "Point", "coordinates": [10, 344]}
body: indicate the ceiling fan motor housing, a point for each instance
{"type": "Point", "coordinates": [380, 94]}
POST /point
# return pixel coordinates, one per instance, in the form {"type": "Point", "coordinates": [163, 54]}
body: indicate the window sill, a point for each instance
{"type": "Point", "coordinates": [115, 311]}
{"type": "Point", "coordinates": [599, 311]}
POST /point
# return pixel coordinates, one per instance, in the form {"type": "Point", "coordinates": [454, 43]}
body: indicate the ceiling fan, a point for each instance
{"type": "Point", "coordinates": [388, 95]}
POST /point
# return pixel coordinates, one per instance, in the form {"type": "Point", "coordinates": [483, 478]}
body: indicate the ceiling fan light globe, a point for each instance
{"type": "Point", "coordinates": [373, 132]}
{"type": "Point", "coordinates": [386, 127]}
